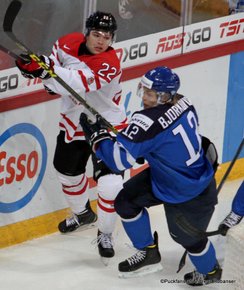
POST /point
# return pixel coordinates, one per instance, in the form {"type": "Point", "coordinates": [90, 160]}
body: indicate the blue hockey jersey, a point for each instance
{"type": "Point", "coordinates": [167, 137]}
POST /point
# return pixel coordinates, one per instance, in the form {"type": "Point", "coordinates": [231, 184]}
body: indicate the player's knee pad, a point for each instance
{"type": "Point", "coordinates": [108, 186]}
{"type": "Point", "coordinates": [197, 247]}
{"type": "Point", "coordinates": [67, 180]}
{"type": "Point", "coordinates": [124, 207]}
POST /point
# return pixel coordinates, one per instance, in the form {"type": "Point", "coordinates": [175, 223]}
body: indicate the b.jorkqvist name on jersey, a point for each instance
{"type": "Point", "coordinates": [174, 112]}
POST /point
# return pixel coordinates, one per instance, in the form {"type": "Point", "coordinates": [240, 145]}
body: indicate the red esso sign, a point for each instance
{"type": "Point", "coordinates": [16, 168]}
{"type": "Point", "coordinates": [23, 161]}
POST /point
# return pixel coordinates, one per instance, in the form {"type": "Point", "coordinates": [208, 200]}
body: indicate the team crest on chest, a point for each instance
{"type": "Point", "coordinates": [90, 80]}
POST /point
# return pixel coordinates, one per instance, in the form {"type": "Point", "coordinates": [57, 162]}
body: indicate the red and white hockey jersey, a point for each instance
{"type": "Point", "coordinates": [96, 78]}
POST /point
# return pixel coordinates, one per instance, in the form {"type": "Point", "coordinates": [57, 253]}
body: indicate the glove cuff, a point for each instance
{"type": "Point", "coordinates": [45, 75]}
{"type": "Point", "coordinates": [97, 137]}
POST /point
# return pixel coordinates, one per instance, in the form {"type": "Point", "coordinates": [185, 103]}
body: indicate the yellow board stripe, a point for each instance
{"type": "Point", "coordinates": [47, 224]}
{"type": "Point", "coordinates": [34, 228]}
{"type": "Point", "coordinates": [236, 172]}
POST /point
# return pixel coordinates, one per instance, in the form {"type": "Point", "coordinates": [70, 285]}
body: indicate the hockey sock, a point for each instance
{"type": "Point", "coordinates": [108, 186]}
{"type": "Point", "coordinates": [75, 191]}
{"type": "Point", "coordinates": [138, 230]}
{"type": "Point", "coordinates": [204, 261]}
{"type": "Point", "coordinates": [238, 201]}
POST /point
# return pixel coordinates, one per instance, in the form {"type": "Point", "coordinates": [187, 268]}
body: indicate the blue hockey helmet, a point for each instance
{"type": "Point", "coordinates": [101, 21]}
{"type": "Point", "coordinates": [162, 80]}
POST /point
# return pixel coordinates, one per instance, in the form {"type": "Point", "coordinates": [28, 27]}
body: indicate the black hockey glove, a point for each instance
{"type": "Point", "coordinates": [31, 69]}
{"type": "Point", "coordinates": [210, 152]}
{"type": "Point", "coordinates": [94, 132]}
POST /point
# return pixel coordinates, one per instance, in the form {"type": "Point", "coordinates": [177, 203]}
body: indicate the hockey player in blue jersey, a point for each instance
{"type": "Point", "coordinates": [237, 212]}
{"type": "Point", "coordinates": [165, 134]}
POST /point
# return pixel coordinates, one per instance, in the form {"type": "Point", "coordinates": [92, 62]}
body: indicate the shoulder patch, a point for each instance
{"type": "Point", "coordinates": [142, 121]}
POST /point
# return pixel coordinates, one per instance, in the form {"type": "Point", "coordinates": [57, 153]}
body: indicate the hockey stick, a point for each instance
{"type": "Point", "coordinates": [238, 151]}
{"type": "Point", "coordinates": [11, 13]}
{"type": "Point", "coordinates": [185, 225]}
{"type": "Point", "coordinates": [10, 53]}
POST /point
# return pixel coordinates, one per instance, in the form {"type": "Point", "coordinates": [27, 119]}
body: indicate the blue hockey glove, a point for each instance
{"type": "Point", "coordinates": [94, 132]}
{"type": "Point", "coordinates": [31, 69]}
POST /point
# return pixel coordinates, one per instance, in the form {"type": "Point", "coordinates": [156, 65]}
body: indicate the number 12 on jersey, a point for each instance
{"type": "Point", "coordinates": [180, 130]}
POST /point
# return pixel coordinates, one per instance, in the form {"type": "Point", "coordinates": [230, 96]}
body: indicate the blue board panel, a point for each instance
{"type": "Point", "coordinates": [234, 122]}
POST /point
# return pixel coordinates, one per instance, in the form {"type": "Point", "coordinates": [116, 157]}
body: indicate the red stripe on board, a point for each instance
{"type": "Point", "coordinates": [25, 100]}
{"type": "Point", "coordinates": [33, 98]}
{"type": "Point", "coordinates": [185, 59]}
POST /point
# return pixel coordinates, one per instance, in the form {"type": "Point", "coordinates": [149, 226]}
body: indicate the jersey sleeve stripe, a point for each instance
{"type": "Point", "coordinates": [70, 123]}
{"type": "Point", "coordinates": [84, 81]}
{"type": "Point", "coordinates": [117, 158]}
{"type": "Point", "coordinates": [122, 158]}
{"type": "Point", "coordinates": [98, 84]}
{"type": "Point", "coordinates": [55, 53]}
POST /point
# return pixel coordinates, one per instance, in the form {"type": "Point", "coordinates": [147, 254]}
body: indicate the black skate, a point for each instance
{"type": "Point", "coordinates": [82, 220]}
{"type": "Point", "coordinates": [230, 221]}
{"type": "Point", "coordinates": [143, 262]}
{"type": "Point", "coordinates": [197, 279]}
{"type": "Point", "coordinates": [105, 245]}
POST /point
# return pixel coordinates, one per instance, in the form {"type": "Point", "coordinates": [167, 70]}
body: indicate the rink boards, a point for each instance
{"type": "Point", "coordinates": [210, 69]}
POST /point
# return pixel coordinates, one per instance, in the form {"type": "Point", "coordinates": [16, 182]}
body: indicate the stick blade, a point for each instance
{"type": "Point", "coordinates": [10, 15]}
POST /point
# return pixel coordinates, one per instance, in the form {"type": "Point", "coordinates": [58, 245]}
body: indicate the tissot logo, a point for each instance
{"type": "Point", "coordinates": [23, 159]}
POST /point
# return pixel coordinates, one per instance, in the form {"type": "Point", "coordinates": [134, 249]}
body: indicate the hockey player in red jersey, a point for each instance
{"type": "Point", "coordinates": [89, 65]}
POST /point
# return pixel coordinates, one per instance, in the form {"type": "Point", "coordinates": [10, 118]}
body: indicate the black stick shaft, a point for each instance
{"type": "Point", "coordinates": [230, 166]}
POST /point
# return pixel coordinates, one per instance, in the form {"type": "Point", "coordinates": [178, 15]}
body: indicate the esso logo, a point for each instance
{"type": "Point", "coordinates": [22, 165]}
{"type": "Point", "coordinates": [18, 167]}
